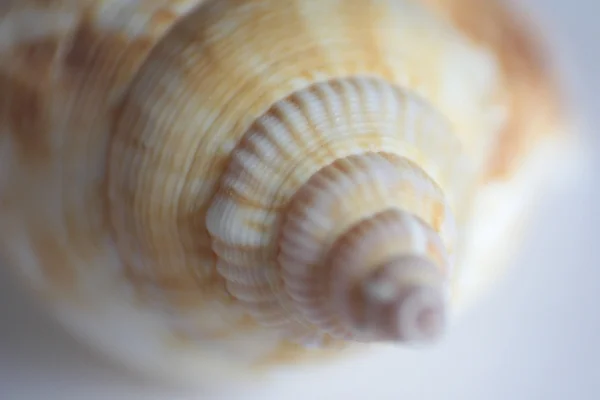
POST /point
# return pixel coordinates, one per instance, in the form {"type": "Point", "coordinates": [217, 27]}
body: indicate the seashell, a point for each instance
{"type": "Point", "coordinates": [210, 188]}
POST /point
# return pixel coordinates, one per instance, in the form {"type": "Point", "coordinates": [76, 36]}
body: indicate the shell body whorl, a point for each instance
{"type": "Point", "coordinates": [249, 177]}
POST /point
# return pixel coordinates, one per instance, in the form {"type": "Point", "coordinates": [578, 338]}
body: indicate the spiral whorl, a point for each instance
{"type": "Point", "coordinates": [329, 184]}
{"type": "Point", "coordinates": [402, 298]}
{"type": "Point", "coordinates": [358, 255]}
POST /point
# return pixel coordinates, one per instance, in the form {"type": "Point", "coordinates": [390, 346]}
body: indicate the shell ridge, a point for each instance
{"type": "Point", "coordinates": [212, 132]}
{"type": "Point", "coordinates": [227, 199]}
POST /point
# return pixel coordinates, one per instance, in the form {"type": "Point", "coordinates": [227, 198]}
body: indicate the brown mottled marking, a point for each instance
{"type": "Point", "coordinates": [162, 18]}
{"type": "Point", "coordinates": [437, 215]}
{"type": "Point", "coordinates": [82, 54]}
{"type": "Point", "coordinates": [26, 115]}
{"type": "Point", "coordinates": [54, 263]}
{"type": "Point", "coordinates": [364, 16]}
{"type": "Point", "coordinates": [535, 105]}
{"type": "Point", "coordinates": [37, 57]}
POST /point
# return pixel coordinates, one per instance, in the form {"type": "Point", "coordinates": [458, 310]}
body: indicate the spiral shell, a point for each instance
{"type": "Point", "coordinates": [254, 178]}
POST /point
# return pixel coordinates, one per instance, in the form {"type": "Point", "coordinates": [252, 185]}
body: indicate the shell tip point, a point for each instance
{"type": "Point", "coordinates": [421, 316]}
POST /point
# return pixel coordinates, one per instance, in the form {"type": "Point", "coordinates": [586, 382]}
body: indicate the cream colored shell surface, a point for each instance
{"type": "Point", "coordinates": [138, 137]}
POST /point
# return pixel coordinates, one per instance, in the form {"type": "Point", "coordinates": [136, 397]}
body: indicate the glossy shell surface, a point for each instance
{"type": "Point", "coordinates": [162, 163]}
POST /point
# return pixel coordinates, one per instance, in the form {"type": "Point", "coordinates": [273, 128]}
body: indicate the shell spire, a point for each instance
{"type": "Point", "coordinates": [383, 276]}
{"type": "Point", "coordinates": [322, 237]}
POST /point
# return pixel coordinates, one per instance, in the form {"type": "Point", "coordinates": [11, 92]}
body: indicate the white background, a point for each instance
{"type": "Point", "coordinates": [536, 335]}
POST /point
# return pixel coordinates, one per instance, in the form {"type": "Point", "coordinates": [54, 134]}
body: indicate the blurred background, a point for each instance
{"type": "Point", "coordinates": [535, 335]}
